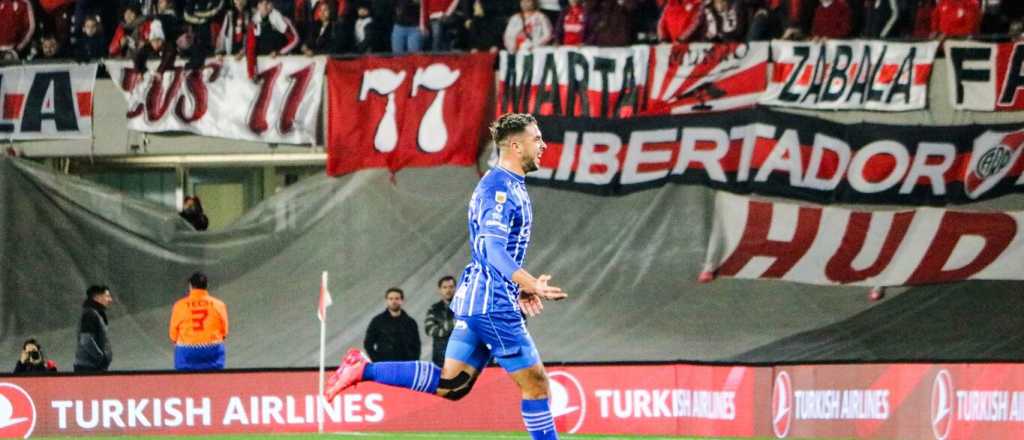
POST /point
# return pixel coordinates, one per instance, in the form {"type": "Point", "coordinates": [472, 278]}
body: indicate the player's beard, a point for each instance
{"type": "Point", "coordinates": [530, 164]}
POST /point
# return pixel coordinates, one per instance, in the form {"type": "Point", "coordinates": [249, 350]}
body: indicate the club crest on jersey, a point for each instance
{"type": "Point", "coordinates": [500, 196]}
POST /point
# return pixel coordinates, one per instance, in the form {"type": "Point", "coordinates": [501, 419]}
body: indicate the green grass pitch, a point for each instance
{"type": "Point", "coordinates": [399, 436]}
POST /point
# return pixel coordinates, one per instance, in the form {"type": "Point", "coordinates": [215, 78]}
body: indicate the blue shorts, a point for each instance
{"type": "Point", "coordinates": [199, 357]}
{"type": "Point", "coordinates": [502, 335]}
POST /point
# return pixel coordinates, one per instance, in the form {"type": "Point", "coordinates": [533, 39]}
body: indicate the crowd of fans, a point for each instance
{"type": "Point", "coordinates": [195, 29]}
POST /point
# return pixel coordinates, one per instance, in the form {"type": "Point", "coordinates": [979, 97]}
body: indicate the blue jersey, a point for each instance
{"type": "Point", "coordinates": [499, 208]}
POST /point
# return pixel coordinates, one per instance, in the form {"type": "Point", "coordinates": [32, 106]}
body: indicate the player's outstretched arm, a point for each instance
{"type": "Point", "coordinates": [533, 290]}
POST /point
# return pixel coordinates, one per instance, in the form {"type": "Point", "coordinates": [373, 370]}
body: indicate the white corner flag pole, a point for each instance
{"type": "Point", "coordinates": [322, 312]}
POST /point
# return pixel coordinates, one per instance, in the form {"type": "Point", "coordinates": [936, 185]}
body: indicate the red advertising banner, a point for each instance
{"type": "Point", "coordinates": [662, 399]}
{"type": "Point", "coordinates": [416, 110]}
{"type": "Point", "coordinates": [985, 76]}
{"type": "Point", "coordinates": [875, 401]}
{"type": "Point", "coordinates": [904, 401]}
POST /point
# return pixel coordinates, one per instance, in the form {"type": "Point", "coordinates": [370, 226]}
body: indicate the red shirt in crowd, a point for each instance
{"type": "Point", "coordinates": [832, 19]}
{"type": "Point", "coordinates": [17, 24]}
{"type": "Point", "coordinates": [956, 18]}
{"type": "Point", "coordinates": [680, 20]}
{"type": "Point", "coordinates": [923, 19]}
{"type": "Point", "coordinates": [140, 33]}
{"type": "Point", "coordinates": [572, 26]}
{"type": "Point", "coordinates": [52, 5]}
{"type": "Point", "coordinates": [436, 9]}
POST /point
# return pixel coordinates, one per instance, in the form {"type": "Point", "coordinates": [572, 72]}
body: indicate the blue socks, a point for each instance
{"type": "Point", "coordinates": [414, 375]}
{"type": "Point", "coordinates": [539, 423]}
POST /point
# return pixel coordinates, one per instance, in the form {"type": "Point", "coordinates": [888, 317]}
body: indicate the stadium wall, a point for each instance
{"type": "Point", "coordinates": [875, 401]}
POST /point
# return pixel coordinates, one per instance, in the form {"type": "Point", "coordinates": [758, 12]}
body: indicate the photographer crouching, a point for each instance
{"type": "Point", "coordinates": [32, 359]}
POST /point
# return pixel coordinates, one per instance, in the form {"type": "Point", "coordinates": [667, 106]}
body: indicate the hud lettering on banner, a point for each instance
{"type": "Point", "coordinates": [824, 245]}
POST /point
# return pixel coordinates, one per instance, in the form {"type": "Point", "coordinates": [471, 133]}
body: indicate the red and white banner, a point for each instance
{"type": "Point", "coordinates": [416, 110]}
{"type": "Point", "coordinates": [698, 77]}
{"type": "Point", "coordinates": [985, 76]}
{"type": "Point", "coordinates": [904, 401]}
{"type": "Point", "coordinates": [597, 82]}
{"type": "Point", "coordinates": [825, 245]}
{"type": "Point", "coordinates": [662, 399]}
{"type": "Point", "coordinates": [279, 105]}
{"type": "Point", "coordinates": [781, 154]}
{"type": "Point", "coordinates": [47, 101]}
{"type": "Point", "coordinates": [850, 75]}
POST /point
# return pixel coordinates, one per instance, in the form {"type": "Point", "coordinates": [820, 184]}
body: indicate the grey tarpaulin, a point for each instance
{"type": "Point", "coordinates": [629, 263]}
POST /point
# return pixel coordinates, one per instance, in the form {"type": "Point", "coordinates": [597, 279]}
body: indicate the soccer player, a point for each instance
{"type": "Point", "coordinates": [493, 292]}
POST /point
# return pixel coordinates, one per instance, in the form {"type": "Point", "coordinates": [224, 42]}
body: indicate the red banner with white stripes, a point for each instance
{"type": "Point", "coordinates": [700, 77]}
{"type": "Point", "coordinates": [415, 110]}
{"type": "Point", "coordinates": [850, 75]}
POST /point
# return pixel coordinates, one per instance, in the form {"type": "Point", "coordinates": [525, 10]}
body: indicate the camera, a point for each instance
{"type": "Point", "coordinates": [34, 356]}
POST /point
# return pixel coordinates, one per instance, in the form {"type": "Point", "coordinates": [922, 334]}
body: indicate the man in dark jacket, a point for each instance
{"type": "Point", "coordinates": [882, 19]}
{"type": "Point", "coordinates": [393, 335]}
{"type": "Point", "coordinates": [440, 319]}
{"type": "Point", "coordinates": [94, 353]}
{"type": "Point", "coordinates": [608, 22]}
{"type": "Point", "coordinates": [785, 19]}
{"type": "Point", "coordinates": [199, 16]}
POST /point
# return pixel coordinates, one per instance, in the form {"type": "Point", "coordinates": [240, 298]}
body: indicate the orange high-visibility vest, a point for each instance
{"type": "Point", "coordinates": [199, 319]}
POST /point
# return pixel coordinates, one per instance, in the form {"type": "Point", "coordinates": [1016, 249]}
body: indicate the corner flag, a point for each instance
{"type": "Point", "coordinates": [325, 298]}
{"type": "Point", "coordinates": [321, 312]}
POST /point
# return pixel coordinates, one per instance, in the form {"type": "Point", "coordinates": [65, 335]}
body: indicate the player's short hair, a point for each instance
{"type": "Point", "coordinates": [95, 289]}
{"type": "Point", "coordinates": [397, 290]}
{"type": "Point", "coordinates": [445, 278]}
{"type": "Point", "coordinates": [509, 124]}
{"type": "Point", "coordinates": [198, 280]}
